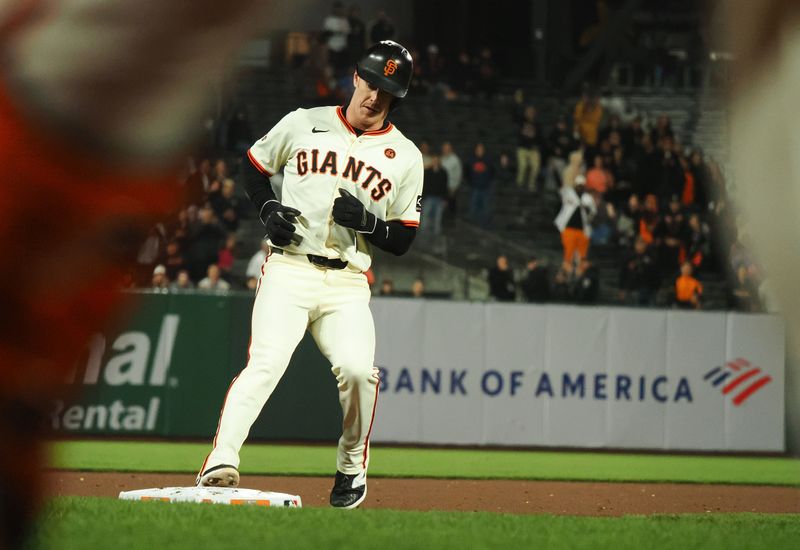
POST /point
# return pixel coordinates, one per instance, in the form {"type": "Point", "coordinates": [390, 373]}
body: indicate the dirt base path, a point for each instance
{"type": "Point", "coordinates": [513, 497]}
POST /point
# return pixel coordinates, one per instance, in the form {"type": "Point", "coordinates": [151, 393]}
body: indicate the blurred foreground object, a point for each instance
{"type": "Point", "coordinates": [97, 99]}
{"type": "Point", "coordinates": [765, 127]}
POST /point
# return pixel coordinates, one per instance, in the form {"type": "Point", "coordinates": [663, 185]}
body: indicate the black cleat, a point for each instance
{"type": "Point", "coordinates": [223, 475]}
{"type": "Point", "coordinates": [349, 490]}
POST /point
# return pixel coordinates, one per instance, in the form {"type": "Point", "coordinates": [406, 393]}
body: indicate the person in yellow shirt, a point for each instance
{"type": "Point", "coordinates": [587, 116]}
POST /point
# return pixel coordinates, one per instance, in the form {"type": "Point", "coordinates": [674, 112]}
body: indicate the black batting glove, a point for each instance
{"type": "Point", "coordinates": [279, 223]}
{"type": "Point", "coordinates": [349, 212]}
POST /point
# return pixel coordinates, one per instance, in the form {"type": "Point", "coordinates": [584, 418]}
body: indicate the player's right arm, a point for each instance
{"type": "Point", "coordinates": [265, 158]}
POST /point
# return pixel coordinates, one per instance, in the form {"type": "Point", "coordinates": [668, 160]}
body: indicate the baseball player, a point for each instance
{"type": "Point", "coordinates": [351, 181]}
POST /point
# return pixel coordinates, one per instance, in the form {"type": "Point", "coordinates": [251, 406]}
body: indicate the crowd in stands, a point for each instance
{"type": "Point", "coordinates": [625, 182]}
{"type": "Point", "coordinates": [624, 185]}
{"type": "Point", "coordinates": [329, 57]}
{"type": "Point", "coordinates": [196, 248]}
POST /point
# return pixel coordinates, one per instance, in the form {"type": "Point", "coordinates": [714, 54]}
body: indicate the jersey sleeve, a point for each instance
{"type": "Point", "coordinates": [272, 151]}
{"type": "Point", "coordinates": [407, 204]}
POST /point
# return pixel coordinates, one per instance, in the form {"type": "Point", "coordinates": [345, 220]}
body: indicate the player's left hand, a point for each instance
{"type": "Point", "coordinates": [349, 212]}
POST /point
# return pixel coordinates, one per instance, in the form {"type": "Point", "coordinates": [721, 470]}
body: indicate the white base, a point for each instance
{"type": "Point", "coordinates": [215, 495]}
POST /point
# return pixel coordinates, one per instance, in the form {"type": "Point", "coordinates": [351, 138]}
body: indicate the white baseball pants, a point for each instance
{"type": "Point", "coordinates": [334, 305]}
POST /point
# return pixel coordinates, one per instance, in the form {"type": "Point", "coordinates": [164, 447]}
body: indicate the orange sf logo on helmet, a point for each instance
{"type": "Point", "coordinates": [390, 67]}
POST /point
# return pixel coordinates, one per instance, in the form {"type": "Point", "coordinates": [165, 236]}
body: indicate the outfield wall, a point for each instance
{"type": "Point", "coordinates": [455, 373]}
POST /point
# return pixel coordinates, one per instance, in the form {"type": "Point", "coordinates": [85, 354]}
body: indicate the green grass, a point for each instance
{"type": "Point", "coordinates": [447, 463]}
{"type": "Point", "coordinates": [77, 523]}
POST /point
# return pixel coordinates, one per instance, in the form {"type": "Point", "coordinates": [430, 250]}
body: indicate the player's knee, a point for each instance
{"type": "Point", "coordinates": [355, 372]}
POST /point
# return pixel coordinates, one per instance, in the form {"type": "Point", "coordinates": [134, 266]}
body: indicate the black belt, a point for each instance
{"type": "Point", "coordinates": [319, 261]}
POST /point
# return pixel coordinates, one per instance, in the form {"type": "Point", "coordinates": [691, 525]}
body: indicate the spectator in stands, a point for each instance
{"type": "Point", "coordinates": [213, 280]}
{"type": "Point", "coordinates": [382, 28]}
{"type": "Point", "coordinates": [226, 205]}
{"type": "Point", "coordinates": [387, 287]}
{"type": "Point", "coordinates": [623, 171]}
{"type": "Point", "coordinates": [662, 129]}
{"type": "Point", "coordinates": [632, 135]}
{"type": "Point", "coordinates": [434, 197]}
{"type": "Point", "coordinates": [613, 126]}
{"type": "Point", "coordinates": [699, 170]}
{"type": "Point", "coordinates": [160, 280]}
{"type": "Point", "coordinates": [598, 179]}
{"type": "Point", "coordinates": [501, 281]}
{"type": "Point", "coordinates": [205, 243]}
{"type": "Point", "coordinates": [255, 264]}
{"type": "Point", "coordinates": [573, 221]}
{"type": "Point", "coordinates": [198, 182]}
{"type": "Point", "coordinates": [689, 184]}
{"type": "Point", "coordinates": [587, 116]}
{"type": "Point", "coordinates": [560, 144]}
{"type": "Point", "coordinates": [462, 75]}
{"type": "Point", "coordinates": [239, 134]}
{"type": "Point", "coordinates": [530, 144]}
{"type": "Point", "coordinates": [226, 257]}
{"type": "Point", "coordinates": [744, 295]}
{"type": "Point", "coordinates": [220, 171]}
{"type": "Point", "coordinates": [151, 253]}
{"type": "Point", "coordinates": [672, 179]}
{"type": "Point", "coordinates": [433, 68]}
{"type": "Point", "coordinates": [696, 242]}
{"type": "Point", "coordinates": [182, 281]}
{"type": "Point", "coordinates": [506, 174]}
{"type": "Point", "coordinates": [628, 222]}
{"type": "Point", "coordinates": [648, 168]}
{"type": "Point", "coordinates": [688, 290]}
{"type": "Point", "coordinates": [649, 221]}
{"type": "Point", "coordinates": [181, 229]}
{"type": "Point", "coordinates": [739, 255]}
{"type": "Point", "coordinates": [455, 171]}
{"type": "Point", "coordinates": [672, 234]}
{"type": "Point", "coordinates": [419, 84]}
{"type": "Point", "coordinates": [356, 38]}
{"type": "Point", "coordinates": [486, 73]}
{"type": "Point", "coordinates": [561, 291]}
{"type": "Point", "coordinates": [638, 279]}
{"type": "Point", "coordinates": [335, 31]}
{"type": "Point", "coordinates": [536, 284]}
{"type": "Point", "coordinates": [480, 174]}
{"type": "Point", "coordinates": [174, 260]}
{"type": "Point", "coordinates": [586, 286]}
{"type": "Point", "coordinates": [606, 151]}
{"type": "Point", "coordinates": [604, 223]}
{"type": "Point", "coordinates": [425, 149]}
{"type": "Point", "coordinates": [418, 288]}
{"type": "Point", "coordinates": [573, 169]}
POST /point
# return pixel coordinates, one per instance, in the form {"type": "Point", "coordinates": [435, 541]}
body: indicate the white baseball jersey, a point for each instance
{"type": "Point", "coordinates": [320, 153]}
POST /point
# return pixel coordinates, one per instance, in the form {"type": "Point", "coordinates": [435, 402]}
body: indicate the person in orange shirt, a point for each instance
{"type": "Point", "coordinates": [688, 290]}
{"type": "Point", "coordinates": [598, 179]}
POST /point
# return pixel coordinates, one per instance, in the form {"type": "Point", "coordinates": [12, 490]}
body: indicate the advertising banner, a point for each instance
{"type": "Point", "coordinates": [512, 374]}
{"type": "Point", "coordinates": [166, 374]}
{"type": "Point", "coordinates": [453, 373]}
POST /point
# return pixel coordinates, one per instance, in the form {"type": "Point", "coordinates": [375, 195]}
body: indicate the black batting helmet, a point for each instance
{"type": "Point", "coordinates": [387, 65]}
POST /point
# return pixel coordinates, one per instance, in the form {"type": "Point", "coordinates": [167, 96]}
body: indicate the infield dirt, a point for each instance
{"type": "Point", "coordinates": [505, 496]}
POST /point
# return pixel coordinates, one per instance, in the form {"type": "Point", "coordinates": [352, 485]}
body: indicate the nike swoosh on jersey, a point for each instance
{"type": "Point", "coordinates": [314, 130]}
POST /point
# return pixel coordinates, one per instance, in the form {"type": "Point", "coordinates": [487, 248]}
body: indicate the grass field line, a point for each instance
{"type": "Point", "coordinates": [392, 462]}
